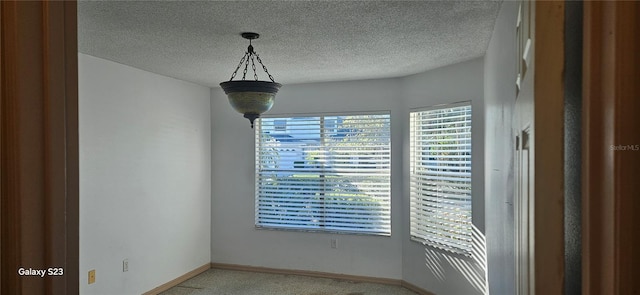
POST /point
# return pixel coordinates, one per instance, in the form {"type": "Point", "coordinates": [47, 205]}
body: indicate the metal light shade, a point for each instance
{"type": "Point", "coordinates": [251, 98]}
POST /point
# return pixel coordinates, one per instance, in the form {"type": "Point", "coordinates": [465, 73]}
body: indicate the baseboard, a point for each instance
{"type": "Point", "coordinates": [178, 280]}
{"type": "Point", "coordinates": [415, 288]}
{"type": "Point", "coordinates": [319, 274]}
{"type": "Point", "coordinates": [308, 273]}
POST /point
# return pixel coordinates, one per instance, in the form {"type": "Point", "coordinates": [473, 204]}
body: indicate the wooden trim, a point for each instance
{"type": "Point", "coordinates": [415, 288]}
{"type": "Point", "coordinates": [179, 280]}
{"type": "Point", "coordinates": [549, 148]}
{"type": "Point", "coordinates": [1, 141]}
{"type": "Point", "coordinates": [308, 273]}
{"type": "Point", "coordinates": [11, 284]}
{"type": "Point", "coordinates": [61, 188]}
{"type": "Point", "coordinates": [318, 274]}
{"type": "Point", "coordinates": [72, 148]}
{"type": "Point", "coordinates": [39, 151]}
{"type": "Point", "coordinates": [611, 114]}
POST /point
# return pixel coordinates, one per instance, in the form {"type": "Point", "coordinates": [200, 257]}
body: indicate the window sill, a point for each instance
{"type": "Point", "coordinates": [313, 230]}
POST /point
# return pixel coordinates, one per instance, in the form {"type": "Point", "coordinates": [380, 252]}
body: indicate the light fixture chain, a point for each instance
{"type": "Point", "coordinates": [246, 66]}
{"type": "Point", "coordinates": [253, 66]}
{"type": "Point", "coordinates": [238, 67]}
{"type": "Point", "coordinates": [263, 66]}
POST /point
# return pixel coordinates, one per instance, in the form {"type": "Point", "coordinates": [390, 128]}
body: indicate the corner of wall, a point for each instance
{"type": "Point", "coordinates": [435, 270]}
{"type": "Point", "coordinates": [144, 177]}
{"type": "Point", "coordinates": [499, 92]}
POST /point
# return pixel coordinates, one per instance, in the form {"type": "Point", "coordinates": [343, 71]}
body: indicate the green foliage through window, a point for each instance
{"type": "Point", "coordinates": [326, 173]}
{"type": "Point", "coordinates": [440, 184]}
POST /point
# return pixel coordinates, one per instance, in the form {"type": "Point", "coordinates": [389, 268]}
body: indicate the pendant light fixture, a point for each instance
{"type": "Point", "coordinates": [250, 97]}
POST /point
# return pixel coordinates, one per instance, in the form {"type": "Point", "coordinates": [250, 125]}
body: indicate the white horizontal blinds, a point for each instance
{"type": "Point", "coordinates": [327, 173]}
{"type": "Point", "coordinates": [441, 178]}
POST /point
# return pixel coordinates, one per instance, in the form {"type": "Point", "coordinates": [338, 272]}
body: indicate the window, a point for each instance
{"type": "Point", "coordinates": [440, 172]}
{"type": "Point", "coordinates": [325, 173]}
{"type": "Point", "coordinates": [280, 125]}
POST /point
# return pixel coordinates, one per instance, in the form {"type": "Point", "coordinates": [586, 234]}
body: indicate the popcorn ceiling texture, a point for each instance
{"type": "Point", "coordinates": [300, 41]}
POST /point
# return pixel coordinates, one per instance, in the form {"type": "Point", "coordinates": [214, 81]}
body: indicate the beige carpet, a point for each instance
{"type": "Point", "coordinates": [230, 282]}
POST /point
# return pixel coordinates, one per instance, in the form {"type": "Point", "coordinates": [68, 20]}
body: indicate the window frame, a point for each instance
{"type": "Point", "coordinates": [275, 117]}
{"type": "Point", "coordinates": [466, 248]}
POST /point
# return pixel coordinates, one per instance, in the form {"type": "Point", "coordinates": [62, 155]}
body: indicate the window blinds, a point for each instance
{"type": "Point", "coordinates": [440, 184]}
{"type": "Point", "coordinates": [324, 173]}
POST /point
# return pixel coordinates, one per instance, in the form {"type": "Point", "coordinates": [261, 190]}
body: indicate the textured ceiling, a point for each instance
{"type": "Point", "coordinates": [300, 42]}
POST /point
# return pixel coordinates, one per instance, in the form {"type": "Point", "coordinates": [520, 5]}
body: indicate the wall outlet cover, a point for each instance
{"type": "Point", "coordinates": [92, 276]}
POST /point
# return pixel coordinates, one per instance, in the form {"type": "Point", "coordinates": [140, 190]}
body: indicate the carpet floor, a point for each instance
{"type": "Point", "coordinates": [231, 282]}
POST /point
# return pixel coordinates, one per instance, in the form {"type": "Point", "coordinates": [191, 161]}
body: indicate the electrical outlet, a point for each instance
{"type": "Point", "coordinates": [125, 265]}
{"type": "Point", "coordinates": [334, 243]}
{"type": "Point", "coordinates": [92, 276]}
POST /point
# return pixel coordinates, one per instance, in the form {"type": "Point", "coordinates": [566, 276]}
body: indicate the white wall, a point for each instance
{"type": "Point", "coordinates": [426, 267]}
{"type": "Point", "coordinates": [144, 177]}
{"type": "Point", "coordinates": [500, 69]}
{"type": "Point", "coordinates": [234, 237]}
{"type": "Point", "coordinates": [167, 177]}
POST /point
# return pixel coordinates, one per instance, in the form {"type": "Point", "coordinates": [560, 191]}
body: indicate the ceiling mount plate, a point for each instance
{"type": "Point", "coordinates": [250, 35]}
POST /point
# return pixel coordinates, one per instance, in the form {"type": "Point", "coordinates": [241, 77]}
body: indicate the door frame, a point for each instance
{"type": "Point", "coordinates": [611, 148]}
{"type": "Point", "coordinates": [609, 177]}
{"type": "Point", "coordinates": [39, 146]}
{"type": "Point", "coordinates": [548, 141]}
